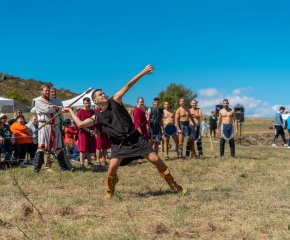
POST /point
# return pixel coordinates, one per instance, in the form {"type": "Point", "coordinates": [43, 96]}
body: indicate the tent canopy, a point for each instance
{"type": "Point", "coordinates": [6, 101]}
{"type": "Point", "coordinates": [79, 103]}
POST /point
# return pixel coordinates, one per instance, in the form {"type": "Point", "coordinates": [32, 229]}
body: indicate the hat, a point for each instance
{"type": "Point", "coordinates": [2, 115]}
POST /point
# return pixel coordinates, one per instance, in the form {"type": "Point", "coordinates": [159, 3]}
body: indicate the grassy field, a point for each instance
{"type": "Point", "coordinates": [228, 198]}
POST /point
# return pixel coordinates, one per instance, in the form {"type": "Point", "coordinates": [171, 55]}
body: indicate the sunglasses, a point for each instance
{"type": "Point", "coordinates": [19, 113]}
{"type": "Point", "coordinates": [34, 119]}
{"type": "Point", "coordinates": [4, 118]}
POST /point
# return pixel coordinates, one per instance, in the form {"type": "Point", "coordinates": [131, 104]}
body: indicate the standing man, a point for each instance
{"type": "Point", "coordinates": [195, 127]}
{"type": "Point", "coordinates": [49, 137]}
{"type": "Point", "coordinates": [128, 144]}
{"type": "Point", "coordinates": [279, 126]}
{"type": "Point", "coordinates": [212, 123]}
{"type": "Point", "coordinates": [183, 115]}
{"type": "Point", "coordinates": [86, 138]}
{"type": "Point", "coordinates": [227, 116]}
{"type": "Point", "coordinates": [155, 125]}
{"type": "Point", "coordinates": [58, 102]}
{"type": "Point", "coordinates": [170, 129]}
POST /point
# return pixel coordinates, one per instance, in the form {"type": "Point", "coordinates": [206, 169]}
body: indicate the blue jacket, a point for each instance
{"type": "Point", "coordinates": [287, 123]}
{"type": "Point", "coordinates": [278, 119]}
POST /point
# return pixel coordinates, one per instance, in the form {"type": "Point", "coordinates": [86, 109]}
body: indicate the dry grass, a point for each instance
{"type": "Point", "coordinates": [245, 198]}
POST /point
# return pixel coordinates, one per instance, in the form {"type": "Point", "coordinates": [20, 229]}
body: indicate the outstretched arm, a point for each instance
{"type": "Point", "coordinates": [81, 124]}
{"type": "Point", "coordinates": [148, 70]}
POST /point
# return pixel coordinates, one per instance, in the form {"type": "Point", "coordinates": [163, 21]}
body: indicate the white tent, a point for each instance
{"type": "Point", "coordinates": [6, 101]}
{"type": "Point", "coordinates": [79, 103]}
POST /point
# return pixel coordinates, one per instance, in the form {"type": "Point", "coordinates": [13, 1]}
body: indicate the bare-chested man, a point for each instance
{"type": "Point", "coordinates": [169, 129]}
{"type": "Point", "coordinates": [184, 131]}
{"type": "Point", "coordinates": [195, 127]}
{"type": "Point", "coordinates": [227, 116]}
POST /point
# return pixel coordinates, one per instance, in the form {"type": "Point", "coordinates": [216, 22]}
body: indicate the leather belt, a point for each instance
{"type": "Point", "coordinates": [126, 136]}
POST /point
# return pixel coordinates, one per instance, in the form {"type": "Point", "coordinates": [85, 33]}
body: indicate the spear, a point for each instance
{"type": "Point", "coordinates": [86, 92]}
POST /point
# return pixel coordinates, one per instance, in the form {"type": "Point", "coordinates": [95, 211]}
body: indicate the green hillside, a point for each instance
{"type": "Point", "coordinates": [30, 88]}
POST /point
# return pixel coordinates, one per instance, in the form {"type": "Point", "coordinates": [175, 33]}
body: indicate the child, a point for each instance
{"type": "Point", "coordinates": [70, 148]}
{"type": "Point", "coordinates": [204, 127]}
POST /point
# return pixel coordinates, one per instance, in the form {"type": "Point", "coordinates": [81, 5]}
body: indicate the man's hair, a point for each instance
{"type": "Point", "coordinates": [69, 142]}
{"type": "Point", "coordinates": [181, 98]}
{"type": "Point", "coordinates": [33, 116]}
{"type": "Point", "coordinates": [139, 99]}
{"type": "Point", "coordinates": [212, 111]}
{"type": "Point", "coordinates": [204, 119]}
{"type": "Point", "coordinates": [44, 86]}
{"type": "Point", "coordinates": [193, 100]}
{"type": "Point", "coordinates": [168, 102]}
{"type": "Point", "coordinates": [226, 100]}
{"type": "Point", "coordinates": [20, 116]}
{"type": "Point", "coordinates": [282, 108]}
{"type": "Point", "coordinates": [94, 93]}
{"type": "Point", "coordinates": [156, 99]}
{"type": "Point", "coordinates": [86, 99]}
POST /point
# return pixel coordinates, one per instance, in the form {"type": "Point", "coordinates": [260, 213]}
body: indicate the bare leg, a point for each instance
{"type": "Point", "coordinates": [98, 154]}
{"type": "Point", "coordinates": [180, 138]}
{"type": "Point", "coordinates": [105, 151]}
{"type": "Point", "coordinates": [175, 138]}
{"type": "Point", "coordinates": [164, 172]}
{"type": "Point", "coordinates": [113, 166]}
{"type": "Point", "coordinates": [89, 157]}
{"type": "Point", "coordinates": [166, 141]}
{"type": "Point", "coordinates": [82, 157]}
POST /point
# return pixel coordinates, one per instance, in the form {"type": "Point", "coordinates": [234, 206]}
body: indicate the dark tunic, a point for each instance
{"type": "Point", "coordinates": [155, 123]}
{"type": "Point", "coordinates": [115, 123]}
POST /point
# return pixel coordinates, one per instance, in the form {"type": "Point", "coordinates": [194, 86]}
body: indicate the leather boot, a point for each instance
{"type": "Point", "coordinates": [38, 161]}
{"type": "Point", "coordinates": [164, 173]}
{"type": "Point", "coordinates": [192, 149]}
{"type": "Point", "coordinates": [111, 181]}
{"type": "Point", "coordinates": [61, 161]}
{"type": "Point", "coordinates": [232, 147]}
{"type": "Point", "coordinates": [180, 151]}
{"type": "Point", "coordinates": [68, 163]}
{"type": "Point", "coordinates": [222, 147]}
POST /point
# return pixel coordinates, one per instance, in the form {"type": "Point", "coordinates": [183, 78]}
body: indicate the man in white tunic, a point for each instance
{"type": "Point", "coordinates": [49, 137]}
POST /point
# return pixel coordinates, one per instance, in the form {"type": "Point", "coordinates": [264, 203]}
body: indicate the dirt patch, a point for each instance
{"type": "Point", "coordinates": [262, 139]}
{"type": "Point", "coordinates": [26, 210]}
{"type": "Point", "coordinates": [64, 211]}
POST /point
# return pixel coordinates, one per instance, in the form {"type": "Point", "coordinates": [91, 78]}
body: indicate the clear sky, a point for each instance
{"type": "Point", "coordinates": [234, 49]}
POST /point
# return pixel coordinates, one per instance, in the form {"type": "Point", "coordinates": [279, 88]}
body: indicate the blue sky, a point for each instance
{"type": "Point", "coordinates": [234, 49]}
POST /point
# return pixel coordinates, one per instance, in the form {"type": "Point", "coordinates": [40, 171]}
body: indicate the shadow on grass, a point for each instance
{"type": "Point", "coordinates": [154, 193]}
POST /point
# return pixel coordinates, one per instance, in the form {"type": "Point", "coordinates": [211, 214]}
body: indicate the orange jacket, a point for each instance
{"type": "Point", "coordinates": [20, 133]}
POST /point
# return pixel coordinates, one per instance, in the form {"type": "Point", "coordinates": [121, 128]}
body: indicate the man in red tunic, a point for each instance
{"type": "Point", "coordinates": [86, 137]}
{"type": "Point", "coordinates": [140, 120]}
{"type": "Point", "coordinates": [127, 143]}
{"type": "Point", "coordinates": [103, 144]}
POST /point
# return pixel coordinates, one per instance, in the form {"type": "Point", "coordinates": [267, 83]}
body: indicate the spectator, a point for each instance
{"type": "Point", "coordinates": [33, 125]}
{"type": "Point", "coordinates": [70, 149]}
{"type": "Point", "coordinates": [76, 154]}
{"type": "Point", "coordinates": [23, 139]}
{"type": "Point", "coordinates": [130, 113]}
{"type": "Point", "coordinates": [7, 138]}
{"type": "Point", "coordinates": [69, 132]}
{"type": "Point", "coordinates": [204, 127]}
{"type": "Point", "coordinates": [16, 113]}
{"type": "Point", "coordinates": [103, 144]}
{"type": "Point", "coordinates": [212, 123]}
{"type": "Point", "coordinates": [86, 136]}
{"type": "Point", "coordinates": [279, 127]}
{"type": "Point", "coordinates": [287, 126]}
{"type": "Point", "coordinates": [4, 120]}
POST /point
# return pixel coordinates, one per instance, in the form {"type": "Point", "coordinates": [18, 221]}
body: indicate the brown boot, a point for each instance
{"type": "Point", "coordinates": [192, 149]}
{"type": "Point", "coordinates": [111, 181]}
{"type": "Point", "coordinates": [164, 172]}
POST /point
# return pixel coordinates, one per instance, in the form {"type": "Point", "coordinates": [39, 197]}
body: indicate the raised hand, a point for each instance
{"type": "Point", "coordinates": [148, 69]}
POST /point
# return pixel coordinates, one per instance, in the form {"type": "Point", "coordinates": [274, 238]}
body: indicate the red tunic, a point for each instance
{"type": "Point", "coordinates": [140, 119]}
{"type": "Point", "coordinates": [86, 143]}
{"type": "Point", "coordinates": [69, 133]}
{"type": "Point", "coordinates": [102, 141]}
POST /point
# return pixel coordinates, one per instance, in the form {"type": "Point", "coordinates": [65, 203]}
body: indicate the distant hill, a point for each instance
{"type": "Point", "coordinates": [31, 88]}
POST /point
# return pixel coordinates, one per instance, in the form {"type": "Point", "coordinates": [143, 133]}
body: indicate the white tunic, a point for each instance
{"type": "Point", "coordinates": [48, 137]}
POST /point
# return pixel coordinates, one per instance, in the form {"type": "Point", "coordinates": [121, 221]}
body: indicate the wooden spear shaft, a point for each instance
{"type": "Point", "coordinates": [88, 91]}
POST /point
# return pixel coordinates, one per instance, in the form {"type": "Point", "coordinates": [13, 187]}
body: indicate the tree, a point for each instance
{"type": "Point", "coordinates": [174, 92]}
{"type": "Point", "coordinates": [18, 96]}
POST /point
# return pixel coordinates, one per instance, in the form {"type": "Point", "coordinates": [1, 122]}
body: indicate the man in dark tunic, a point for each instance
{"type": "Point", "coordinates": [155, 125]}
{"type": "Point", "coordinates": [127, 143]}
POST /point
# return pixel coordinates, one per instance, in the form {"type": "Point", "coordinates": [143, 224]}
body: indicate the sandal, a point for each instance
{"type": "Point", "coordinates": [90, 165]}
{"type": "Point", "coordinates": [166, 158]}
{"type": "Point", "coordinates": [98, 163]}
